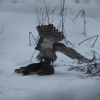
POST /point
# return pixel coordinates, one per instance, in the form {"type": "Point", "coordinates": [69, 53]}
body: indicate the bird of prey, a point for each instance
{"type": "Point", "coordinates": [49, 44]}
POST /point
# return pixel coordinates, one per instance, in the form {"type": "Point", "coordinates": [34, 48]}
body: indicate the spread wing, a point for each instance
{"type": "Point", "coordinates": [71, 53]}
{"type": "Point", "coordinates": [48, 45]}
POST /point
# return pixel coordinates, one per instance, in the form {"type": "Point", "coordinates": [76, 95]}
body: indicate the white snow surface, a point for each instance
{"type": "Point", "coordinates": [17, 19]}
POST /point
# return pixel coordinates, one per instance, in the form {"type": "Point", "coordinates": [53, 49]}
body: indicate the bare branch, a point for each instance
{"type": "Point", "coordinates": [89, 39]}
{"type": "Point", "coordinates": [95, 52]}
{"type": "Point", "coordinates": [95, 18]}
{"type": "Point", "coordinates": [32, 55]}
{"type": "Point", "coordinates": [70, 43]}
{"type": "Point", "coordinates": [78, 14]}
{"type": "Point", "coordinates": [54, 19]}
{"type": "Point", "coordinates": [82, 12]}
{"type": "Point", "coordinates": [56, 7]}
{"type": "Point", "coordinates": [33, 38]}
{"type": "Point", "coordinates": [69, 8]}
{"type": "Point", "coordinates": [47, 11]}
{"type": "Point", "coordinates": [38, 17]}
{"type": "Point", "coordinates": [2, 27]}
{"type": "Point", "coordinates": [91, 69]}
{"type": "Point", "coordinates": [70, 18]}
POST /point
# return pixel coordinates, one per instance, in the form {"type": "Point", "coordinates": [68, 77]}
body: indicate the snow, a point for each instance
{"type": "Point", "coordinates": [16, 21]}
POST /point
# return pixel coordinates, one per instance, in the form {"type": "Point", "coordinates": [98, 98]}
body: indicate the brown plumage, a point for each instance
{"type": "Point", "coordinates": [48, 45]}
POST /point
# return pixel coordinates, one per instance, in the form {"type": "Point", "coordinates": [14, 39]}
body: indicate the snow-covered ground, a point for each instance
{"type": "Point", "coordinates": [17, 19]}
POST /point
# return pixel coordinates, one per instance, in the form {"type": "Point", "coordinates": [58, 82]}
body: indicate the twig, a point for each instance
{"type": "Point", "coordinates": [2, 27]}
{"type": "Point", "coordinates": [37, 39]}
{"type": "Point", "coordinates": [70, 43]}
{"type": "Point", "coordinates": [38, 17]}
{"type": "Point", "coordinates": [70, 18]}
{"type": "Point", "coordinates": [76, 67]}
{"type": "Point", "coordinates": [77, 14]}
{"type": "Point", "coordinates": [95, 73]}
{"type": "Point", "coordinates": [83, 14]}
{"type": "Point", "coordinates": [56, 7]}
{"type": "Point", "coordinates": [32, 55]}
{"type": "Point", "coordinates": [62, 12]}
{"type": "Point", "coordinates": [30, 34]}
{"type": "Point", "coordinates": [54, 19]}
{"type": "Point", "coordinates": [52, 13]}
{"type": "Point", "coordinates": [95, 18]}
{"type": "Point", "coordinates": [92, 69]}
{"type": "Point", "coordinates": [47, 11]}
{"type": "Point", "coordinates": [94, 42]}
{"type": "Point", "coordinates": [91, 38]}
{"type": "Point", "coordinates": [95, 52]}
{"type": "Point", "coordinates": [29, 40]}
{"type": "Point", "coordinates": [43, 17]}
{"type": "Point", "coordinates": [72, 68]}
{"type": "Point", "coordinates": [69, 9]}
{"type": "Point", "coordinates": [84, 23]}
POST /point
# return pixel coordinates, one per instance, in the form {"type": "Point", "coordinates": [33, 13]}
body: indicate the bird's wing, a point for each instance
{"type": "Point", "coordinates": [71, 53]}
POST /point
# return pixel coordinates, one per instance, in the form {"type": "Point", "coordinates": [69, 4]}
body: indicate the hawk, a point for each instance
{"type": "Point", "coordinates": [48, 46]}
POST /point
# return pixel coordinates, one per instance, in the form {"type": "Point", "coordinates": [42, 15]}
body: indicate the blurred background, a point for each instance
{"type": "Point", "coordinates": [91, 7]}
